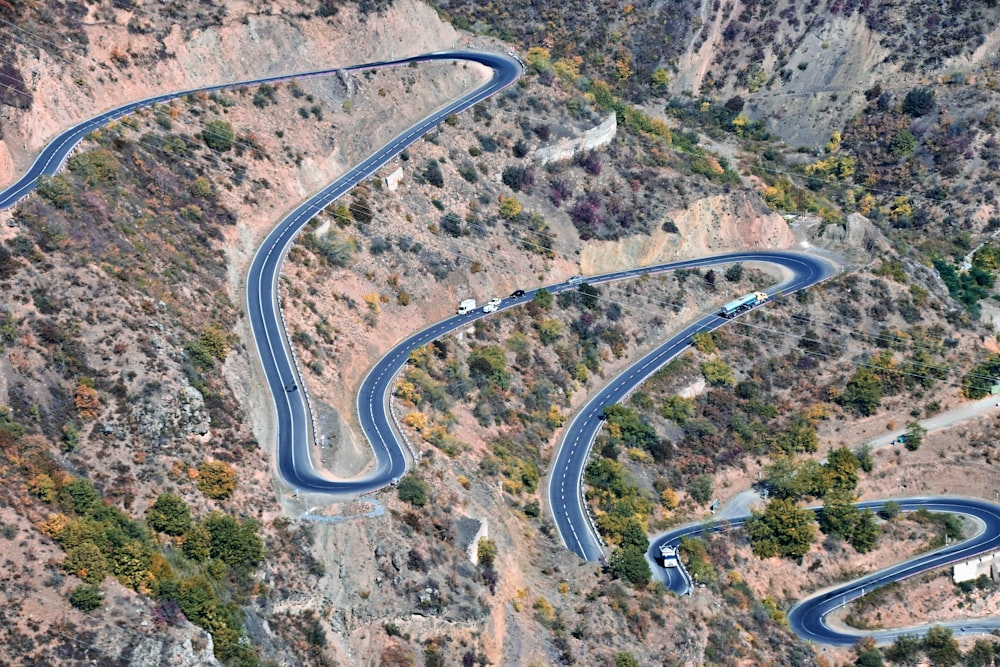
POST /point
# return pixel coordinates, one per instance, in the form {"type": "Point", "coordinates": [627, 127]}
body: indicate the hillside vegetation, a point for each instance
{"type": "Point", "coordinates": [134, 436]}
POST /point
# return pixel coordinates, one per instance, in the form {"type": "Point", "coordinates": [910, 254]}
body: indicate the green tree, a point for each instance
{"type": "Point", "coordinates": [629, 564]}
{"type": "Point", "coordinates": [734, 273]}
{"type": "Point", "coordinates": [903, 143]}
{"type": "Point", "coordinates": [704, 342]}
{"type": "Point", "coordinates": [411, 489]}
{"type": "Point", "coordinates": [488, 366]}
{"type": "Point", "coordinates": [941, 647]}
{"type": "Point", "coordinates": [86, 597]}
{"type": "Point", "coordinates": [981, 654]}
{"type": "Point", "coordinates": [919, 102]}
{"type": "Point", "coordinates": [196, 543]}
{"type": "Point", "coordinates": [56, 189]}
{"type": "Point", "coordinates": [839, 514]}
{"type": "Point", "coordinates": [88, 562]}
{"type": "Point", "coordinates": [543, 298]}
{"type": "Point", "coordinates": [235, 543]}
{"type": "Point", "coordinates": [782, 529]}
{"type": "Point", "coordinates": [865, 533]}
{"type": "Point", "coordinates": [628, 428]}
{"type": "Point", "coordinates": [624, 658]}
{"type": "Point", "coordinates": [131, 562]}
{"type": "Point", "coordinates": [634, 536]}
{"type": "Point", "coordinates": [432, 174]}
{"type": "Point", "coordinates": [718, 373]}
{"type": "Point", "coordinates": [95, 167]}
{"type": "Point", "coordinates": [486, 550]}
{"type": "Point", "coordinates": [904, 651]}
{"type": "Point", "coordinates": [701, 489]}
{"type": "Point", "coordinates": [550, 330]}
{"type": "Point", "coordinates": [218, 135]}
{"type": "Point", "coordinates": [842, 468]}
{"type": "Point", "coordinates": [977, 383]}
{"type": "Point", "coordinates": [864, 455]}
{"type": "Point", "coordinates": [79, 496]}
{"type": "Point", "coordinates": [890, 510]}
{"type": "Point", "coordinates": [789, 479]}
{"type": "Point", "coordinates": [589, 296]}
{"type": "Point", "coordinates": [169, 514]}
{"type": "Point", "coordinates": [914, 436]}
{"type": "Point", "coordinates": [200, 187]}
{"type": "Point", "coordinates": [677, 409]}
{"type": "Point", "coordinates": [661, 81]}
{"type": "Point", "coordinates": [863, 392]}
{"type": "Point", "coordinates": [510, 208]}
{"type": "Point", "coordinates": [197, 599]}
{"type": "Point", "coordinates": [869, 658]}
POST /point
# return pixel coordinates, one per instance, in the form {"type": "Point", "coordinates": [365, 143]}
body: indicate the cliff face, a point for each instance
{"type": "Point", "coordinates": [805, 71]}
{"type": "Point", "coordinates": [716, 224]}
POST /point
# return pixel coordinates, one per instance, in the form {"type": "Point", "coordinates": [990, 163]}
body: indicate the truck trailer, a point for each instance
{"type": "Point", "coordinates": [742, 304]}
{"type": "Point", "coordinates": [669, 555]}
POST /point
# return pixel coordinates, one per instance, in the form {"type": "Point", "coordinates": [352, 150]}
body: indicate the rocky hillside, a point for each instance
{"type": "Point", "coordinates": [135, 434]}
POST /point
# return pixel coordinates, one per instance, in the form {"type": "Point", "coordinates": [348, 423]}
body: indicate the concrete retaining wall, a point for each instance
{"type": "Point", "coordinates": [988, 564]}
{"type": "Point", "coordinates": [591, 139]}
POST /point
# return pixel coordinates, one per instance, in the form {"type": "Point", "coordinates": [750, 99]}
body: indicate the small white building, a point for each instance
{"type": "Point", "coordinates": [392, 181]}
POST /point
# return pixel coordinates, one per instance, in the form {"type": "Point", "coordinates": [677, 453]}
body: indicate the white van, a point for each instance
{"type": "Point", "coordinates": [466, 307]}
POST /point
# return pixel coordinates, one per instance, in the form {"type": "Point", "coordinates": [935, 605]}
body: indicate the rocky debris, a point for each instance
{"type": "Point", "coordinates": [184, 645]}
{"type": "Point", "coordinates": [168, 415]}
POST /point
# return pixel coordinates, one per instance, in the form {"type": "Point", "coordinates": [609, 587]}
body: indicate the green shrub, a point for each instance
{"type": "Point", "coordinates": [86, 598]}
{"type": "Point", "coordinates": [169, 514]}
{"type": "Point", "coordinates": [412, 489]}
{"type": "Point", "coordinates": [95, 166]}
{"type": "Point", "coordinates": [218, 135]}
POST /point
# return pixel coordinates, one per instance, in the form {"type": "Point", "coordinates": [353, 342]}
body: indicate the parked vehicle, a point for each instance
{"type": "Point", "coordinates": [467, 306]}
{"type": "Point", "coordinates": [742, 304]}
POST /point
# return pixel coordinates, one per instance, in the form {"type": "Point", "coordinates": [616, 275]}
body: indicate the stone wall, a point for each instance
{"type": "Point", "coordinates": [969, 570]}
{"type": "Point", "coordinates": [591, 139]}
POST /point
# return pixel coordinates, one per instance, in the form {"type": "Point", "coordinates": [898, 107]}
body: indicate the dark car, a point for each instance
{"type": "Point", "coordinates": [517, 294]}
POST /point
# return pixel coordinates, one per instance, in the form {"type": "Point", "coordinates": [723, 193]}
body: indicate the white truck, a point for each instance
{"type": "Point", "coordinates": [467, 306]}
{"type": "Point", "coordinates": [669, 555]}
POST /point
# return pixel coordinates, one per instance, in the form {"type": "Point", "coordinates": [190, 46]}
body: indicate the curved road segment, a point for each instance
{"type": "Point", "coordinates": [565, 483]}
{"type": "Point", "coordinates": [293, 417]}
{"type": "Point", "coordinates": [808, 618]}
{"type": "Point", "coordinates": [263, 309]}
{"type": "Point", "coordinates": [564, 492]}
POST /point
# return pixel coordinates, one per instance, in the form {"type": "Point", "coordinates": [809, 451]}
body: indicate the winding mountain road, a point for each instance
{"type": "Point", "coordinates": [808, 617]}
{"type": "Point", "coordinates": [565, 482]}
{"type": "Point", "coordinates": [564, 494]}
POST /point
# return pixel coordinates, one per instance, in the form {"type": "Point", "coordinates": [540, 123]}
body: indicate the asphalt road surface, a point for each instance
{"type": "Point", "coordinates": [564, 486]}
{"type": "Point", "coordinates": [808, 618]}
{"type": "Point", "coordinates": [292, 413]}
{"type": "Point", "coordinates": [293, 416]}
